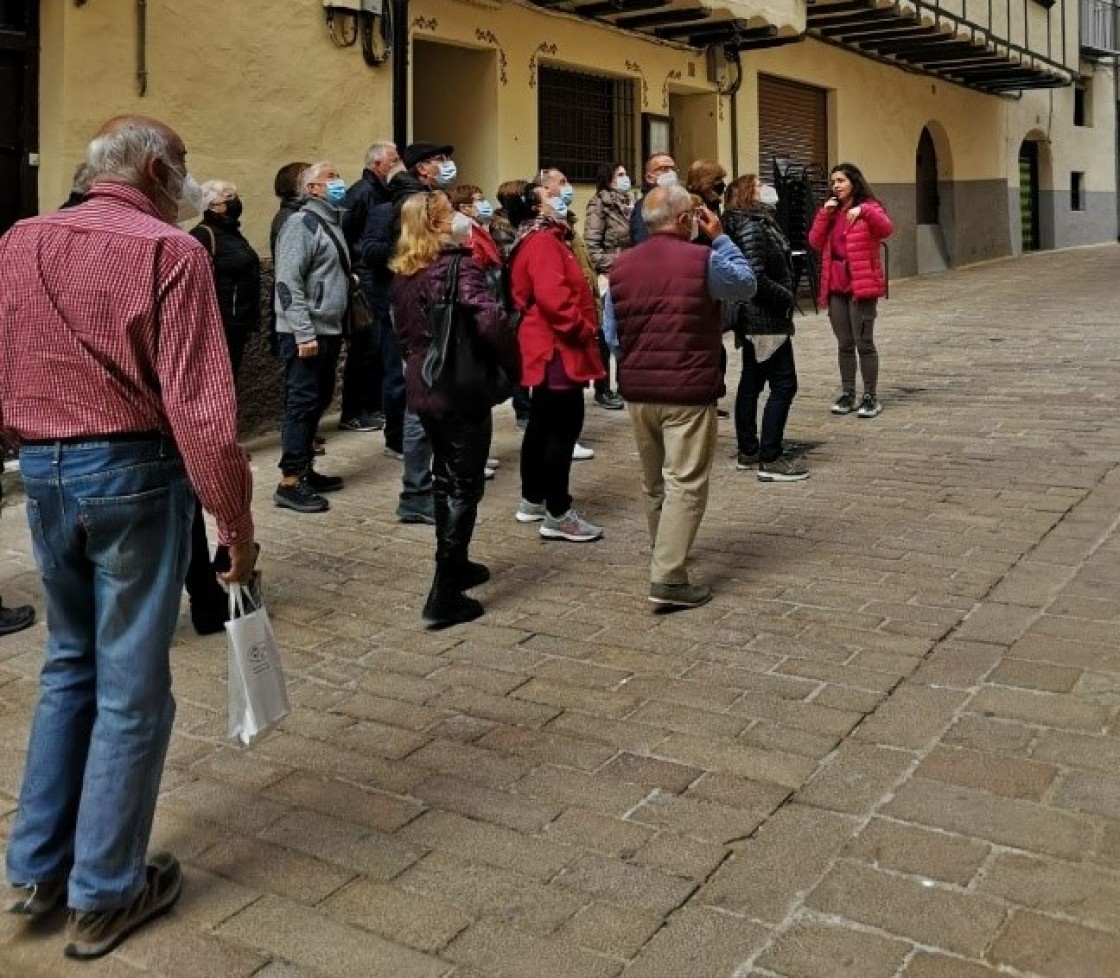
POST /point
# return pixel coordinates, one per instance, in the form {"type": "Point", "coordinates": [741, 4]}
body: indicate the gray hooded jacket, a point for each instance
{"type": "Point", "coordinates": [312, 291]}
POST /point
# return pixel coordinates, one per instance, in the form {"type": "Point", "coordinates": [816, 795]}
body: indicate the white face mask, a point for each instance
{"type": "Point", "coordinates": [668, 179]}
{"type": "Point", "coordinates": [768, 195]}
{"type": "Point", "coordinates": [460, 227]}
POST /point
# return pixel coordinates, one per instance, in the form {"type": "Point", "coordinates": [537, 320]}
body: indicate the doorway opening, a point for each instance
{"type": "Point", "coordinates": [19, 110]}
{"type": "Point", "coordinates": [441, 112]}
{"type": "Point", "coordinates": [1029, 193]}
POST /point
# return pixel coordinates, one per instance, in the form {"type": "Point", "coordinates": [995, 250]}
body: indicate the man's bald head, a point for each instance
{"type": "Point", "coordinates": [663, 207]}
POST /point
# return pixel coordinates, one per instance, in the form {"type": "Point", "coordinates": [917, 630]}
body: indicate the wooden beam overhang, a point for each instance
{"type": "Point", "coordinates": [912, 34]}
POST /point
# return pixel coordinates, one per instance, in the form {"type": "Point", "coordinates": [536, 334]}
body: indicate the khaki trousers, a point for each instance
{"type": "Point", "coordinates": [676, 444]}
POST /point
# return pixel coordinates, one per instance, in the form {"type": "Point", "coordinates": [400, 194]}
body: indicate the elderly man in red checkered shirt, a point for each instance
{"type": "Point", "coordinates": [117, 387]}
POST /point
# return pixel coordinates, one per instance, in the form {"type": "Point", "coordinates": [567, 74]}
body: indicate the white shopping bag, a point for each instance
{"type": "Point", "coordinates": [258, 696]}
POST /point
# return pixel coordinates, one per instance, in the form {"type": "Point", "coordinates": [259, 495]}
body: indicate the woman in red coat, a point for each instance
{"type": "Point", "coordinates": [559, 355]}
{"type": "Point", "coordinates": [847, 232]}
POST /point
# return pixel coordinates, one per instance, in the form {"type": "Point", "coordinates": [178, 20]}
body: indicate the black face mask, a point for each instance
{"type": "Point", "coordinates": [233, 208]}
{"type": "Point", "coordinates": [719, 189]}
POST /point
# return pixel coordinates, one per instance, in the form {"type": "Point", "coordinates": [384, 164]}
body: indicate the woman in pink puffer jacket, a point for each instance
{"type": "Point", "coordinates": [847, 232]}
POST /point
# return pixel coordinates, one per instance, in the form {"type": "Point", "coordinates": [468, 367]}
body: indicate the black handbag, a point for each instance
{"type": "Point", "coordinates": [358, 315]}
{"type": "Point", "coordinates": [458, 362]}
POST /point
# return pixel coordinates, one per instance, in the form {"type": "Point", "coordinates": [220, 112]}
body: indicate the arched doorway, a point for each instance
{"type": "Point", "coordinates": [929, 201]}
{"type": "Point", "coordinates": [930, 246]}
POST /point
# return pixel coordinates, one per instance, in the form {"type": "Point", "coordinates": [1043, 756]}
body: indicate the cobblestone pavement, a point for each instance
{"type": "Point", "coordinates": [889, 747]}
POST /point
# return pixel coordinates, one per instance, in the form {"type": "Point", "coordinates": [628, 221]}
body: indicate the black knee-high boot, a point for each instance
{"type": "Point", "coordinates": [447, 604]}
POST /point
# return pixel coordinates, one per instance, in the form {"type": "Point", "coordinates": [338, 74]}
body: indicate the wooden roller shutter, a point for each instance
{"type": "Point", "coordinates": [792, 123]}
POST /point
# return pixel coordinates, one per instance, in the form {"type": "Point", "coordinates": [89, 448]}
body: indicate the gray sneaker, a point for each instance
{"type": "Point", "coordinates": [782, 469]}
{"type": "Point", "coordinates": [528, 512]}
{"type": "Point", "coordinates": [668, 596]}
{"type": "Point", "coordinates": [96, 932]}
{"type": "Point", "coordinates": [571, 526]}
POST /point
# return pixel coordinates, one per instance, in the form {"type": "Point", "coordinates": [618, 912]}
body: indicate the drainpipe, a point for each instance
{"type": "Point", "coordinates": [400, 72]}
{"type": "Point", "coordinates": [733, 57]}
{"type": "Point", "coordinates": [1116, 106]}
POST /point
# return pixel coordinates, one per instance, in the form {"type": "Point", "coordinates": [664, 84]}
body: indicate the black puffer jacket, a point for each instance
{"type": "Point", "coordinates": [237, 271]}
{"type": "Point", "coordinates": [762, 243]}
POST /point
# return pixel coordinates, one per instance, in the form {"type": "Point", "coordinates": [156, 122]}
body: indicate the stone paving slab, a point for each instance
{"type": "Point", "coordinates": [889, 747]}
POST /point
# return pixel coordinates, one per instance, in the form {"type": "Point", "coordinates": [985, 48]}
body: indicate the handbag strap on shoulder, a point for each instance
{"type": "Point", "coordinates": [451, 286]}
{"type": "Point", "coordinates": [339, 246]}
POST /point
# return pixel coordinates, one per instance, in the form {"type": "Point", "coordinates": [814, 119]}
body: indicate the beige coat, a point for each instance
{"type": "Point", "coordinates": [607, 228]}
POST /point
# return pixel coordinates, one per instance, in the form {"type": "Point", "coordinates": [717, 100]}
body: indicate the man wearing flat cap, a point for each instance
{"type": "Point", "coordinates": [424, 168]}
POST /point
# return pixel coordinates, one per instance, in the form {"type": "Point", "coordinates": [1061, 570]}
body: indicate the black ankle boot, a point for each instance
{"type": "Point", "coordinates": [447, 604]}
{"type": "Point", "coordinates": [470, 574]}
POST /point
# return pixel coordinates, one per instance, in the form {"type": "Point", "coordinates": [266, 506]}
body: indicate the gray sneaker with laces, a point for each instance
{"type": "Point", "coordinates": [782, 469]}
{"type": "Point", "coordinates": [528, 512]}
{"type": "Point", "coordinates": [571, 526]}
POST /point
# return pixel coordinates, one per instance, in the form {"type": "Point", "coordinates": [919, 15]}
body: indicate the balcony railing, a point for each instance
{"type": "Point", "coordinates": [1099, 27]}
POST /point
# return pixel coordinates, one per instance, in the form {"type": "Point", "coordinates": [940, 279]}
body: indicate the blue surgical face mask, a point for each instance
{"type": "Point", "coordinates": [335, 191]}
{"type": "Point", "coordinates": [559, 206]}
{"type": "Point", "coordinates": [622, 184]}
{"type": "Point", "coordinates": [483, 211]}
{"type": "Point", "coordinates": [567, 194]}
{"type": "Point", "coordinates": [448, 171]}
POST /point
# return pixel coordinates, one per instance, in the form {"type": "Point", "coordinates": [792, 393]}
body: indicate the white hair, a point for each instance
{"type": "Point", "coordinates": [122, 153]}
{"type": "Point", "coordinates": [311, 175]}
{"type": "Point", "coordinates": [664, 207]}
{"type": "Point", "coordinates": [378, 151]}
{"type": "Point", "coordinates": [213, 189]}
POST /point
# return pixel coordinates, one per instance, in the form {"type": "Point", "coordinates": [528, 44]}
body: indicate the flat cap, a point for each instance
{"type": "Point", "coordinates": [419, 152]}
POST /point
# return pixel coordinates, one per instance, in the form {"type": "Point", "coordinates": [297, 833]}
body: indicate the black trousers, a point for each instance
{"type": "Point", "coordinates": [555, 421]}
{"type": "Point", "coordinates": [460, 445]}
{"type": "Point", "coordinates": [779, 371]}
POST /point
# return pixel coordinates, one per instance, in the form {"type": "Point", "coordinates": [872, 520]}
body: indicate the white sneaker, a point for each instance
{"type": "Point", "coordinates": [581, 453]}
{"type": "Point", "coordinates": [487, 472]}
{"type": "Point", "coordinates": [528, 512]}
{"type": "Point", "coordinates": [493, 463]}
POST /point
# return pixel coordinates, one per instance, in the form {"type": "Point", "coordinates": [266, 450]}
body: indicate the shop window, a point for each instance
{"type": "Point", "coordinates": [584, 120]}
{"type": "Point", "coordinates": [1077, 191]}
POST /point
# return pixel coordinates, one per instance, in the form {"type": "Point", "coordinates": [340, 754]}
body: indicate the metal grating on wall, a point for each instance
{"type": "Point", "coordinates": [584, 121]}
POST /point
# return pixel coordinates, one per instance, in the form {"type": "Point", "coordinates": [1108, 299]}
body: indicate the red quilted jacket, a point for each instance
{"type": "Point", "coordinates": [871, 227]}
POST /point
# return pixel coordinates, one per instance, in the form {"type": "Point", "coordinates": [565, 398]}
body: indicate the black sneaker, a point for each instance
{"type": "Point", "coordinates": [669, 596]}
{"type": "Point", "coordinates": [869, 407]}
{"type": "Point", "coordinates": [318, 482]}
{"type": "Point", "coordinates": [783, 469]}
{"type": "Point", "coordinates": [746, 460]}
{"type": "Point", "coordinates": [16, 619]}
{"type": "Point", "coordinates": [362, 422]}
{"type": "Point", "coordinates": [845, 403]}
{"type": "Point", "coordinates": [300, 497]}
{"type": "Point", "coordinates": [37, 900]}
{"type": "Point", "coordinates": [609, 400]}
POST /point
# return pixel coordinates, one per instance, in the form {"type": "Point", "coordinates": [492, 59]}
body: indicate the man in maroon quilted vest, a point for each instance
{"type": "Point", "coordinates": [662, 319]}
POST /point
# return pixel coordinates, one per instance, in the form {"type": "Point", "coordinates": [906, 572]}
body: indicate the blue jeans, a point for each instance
{"type": "Point", "coordinates": [780, 372]}
{"type": "Point", "coordinates": [111, 529]}
{"type": "Point", "coordinates": [417, 448]}
{"type": "Point", "coordinates": [392, 383]}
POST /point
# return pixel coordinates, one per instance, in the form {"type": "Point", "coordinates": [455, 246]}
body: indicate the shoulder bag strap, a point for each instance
{"type": "Point", "coordinates": [342, 255]}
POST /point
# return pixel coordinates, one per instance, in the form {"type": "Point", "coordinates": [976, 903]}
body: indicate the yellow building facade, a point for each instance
{"type": "Point", "coordinates": [969, 171]}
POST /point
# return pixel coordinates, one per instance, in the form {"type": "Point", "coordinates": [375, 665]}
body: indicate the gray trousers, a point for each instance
{"type": "Point", "coordinates": [853, 323]}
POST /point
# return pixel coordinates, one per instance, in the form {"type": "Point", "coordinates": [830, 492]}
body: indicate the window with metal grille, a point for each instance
{"type": "Point", "coordinates": [584, 121]}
